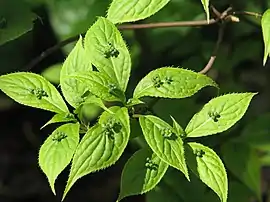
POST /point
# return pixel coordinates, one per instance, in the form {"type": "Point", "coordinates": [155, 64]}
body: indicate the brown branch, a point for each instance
{"type": "Point", "coordinates": [219, 16]}
{"type": "Point", "coordinates": [257, 15]}
{"type": "Point", "coordinates": [168, 24]}
{"type": "Point", "coordinates": [51, 50]}
{"type": "Point", "coordinates": [214, 54]}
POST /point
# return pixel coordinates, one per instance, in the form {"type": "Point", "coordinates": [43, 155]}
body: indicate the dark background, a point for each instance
{"type": "Point", "coordinates": [238, 68]}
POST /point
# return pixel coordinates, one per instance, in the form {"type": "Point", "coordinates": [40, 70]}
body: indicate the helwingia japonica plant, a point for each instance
{"type": "Point", "coordinates": [97, 72]}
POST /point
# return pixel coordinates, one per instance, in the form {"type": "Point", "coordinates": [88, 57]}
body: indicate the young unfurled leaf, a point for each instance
{"type": "Point", "coordinates": [206, 164]}
{"type": "Point", "coordinates": [169, 82]}
{"type": "Point", "coordinates": [100, 85]}
{"type": "Point", "coordinates": [96, 101]}
{"type": "Point", "coordinates": [266, 34]}
{"type": "Point", "coordinates": [178, 128]}
{"type": "Point", "coordinates": [76, 62]}
{"type": "Point", "coordinates": [133, 101]}
{"type": "Point", "coordinates": [219, 114]}
{"type": "Point", "coordinates": [243, 162]}
{"type": "Point", "coordinates": [101, 146]}
{"type": "Point", "coordinates": [132, 10]}
{"type": "Point", "coordinates": [32, 90]}
{"type": "Point", "coordinates": [205, 4]}
{"type": "Point", "coordinates": [164, 141]}
{"type": "Point", "coordinates": [57, 151]}
{"type": "Point", "coordinates": [142, 172]}
{"type": "Point", "coordinates": [60, 118]}
{"type": "Point", "coordinates": [108, 52]}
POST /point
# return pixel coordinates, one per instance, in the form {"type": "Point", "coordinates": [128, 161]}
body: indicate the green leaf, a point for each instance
{"type": "Point", "coordinates": [100, 85]}
{"type": "Point", "coordinates": [177, 127]}
{"type": "Point", "coordinates": [205, 4]}
{"type": "Point", "coordinates": [60, 118]}
{"type": "Point", "coordinates": [108, 52]}
{"type": "Point", "coordinates": [169, 82]}
{"type": "Point", "coordinates": [129, 11]}
{"type": "Point", "coordinates": [142, 172]}
{"type": "Point", "coordinates": [219, 114]}
{"type": "Point", "coordinates": [96, 101]}
{"type": "Point", "coordinates": [76, 62]}
{"type": "Point", "coordinates": [57, 151]}
{"type": "Point", "coordinates": [32, 90]}
{"type": "Point", "coordinates": [164, 141]}
{"type": "Point", "coordinates": [266, 34]}
{"type": "Point", "coordinates": [90, 109]}
{"type": "Point", "coordinates": [101, 146]}
{"type": "Point", "coordinates": [244, 163]}
{"type": "Point", "coordinates": [206, 164]}
{"type": "Point", "coordinates": [12, 26]}
{"type": "Point", "coordinates": [133, 101]}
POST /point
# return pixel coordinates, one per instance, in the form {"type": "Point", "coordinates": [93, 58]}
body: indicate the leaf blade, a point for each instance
{"type": "Point", "coordinates": [60, 118]}
{"type": "Point", "coordinates": [205, 4]}
{"type": "Point", "coordinates": [96, 150]}
{"type": "Point", "coordinates": [138, 177]}
{"type": "Point", "coordinates": [98, 102]}
{"type": "Point", "coordinates": [108, 52]}
{"type": "Point", "coordinates": [32, 90]}
{"type": "Point", "coordinates": [55, 154]}
{"type": "Point", "coordinates": [169, 148]}
{"type": "Point", "coordinates": [219, 114]}
{"type": "Point", "coordinates": [206, 164]}
{"type": "Point", "coordinates": [169, 82]}
{"type": "Point", "coordinates": [249, 174]}
{"type": "Point", "coordinates": [133, 10]}
{"type": "Point", "coordinates": [265, 23]}
{"type": "Point", "coordinates": [100, 85]}
{"type": "Point", "coordinates": [76, 62]}
{"type": "Point", "coordinates": [177, 127]}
